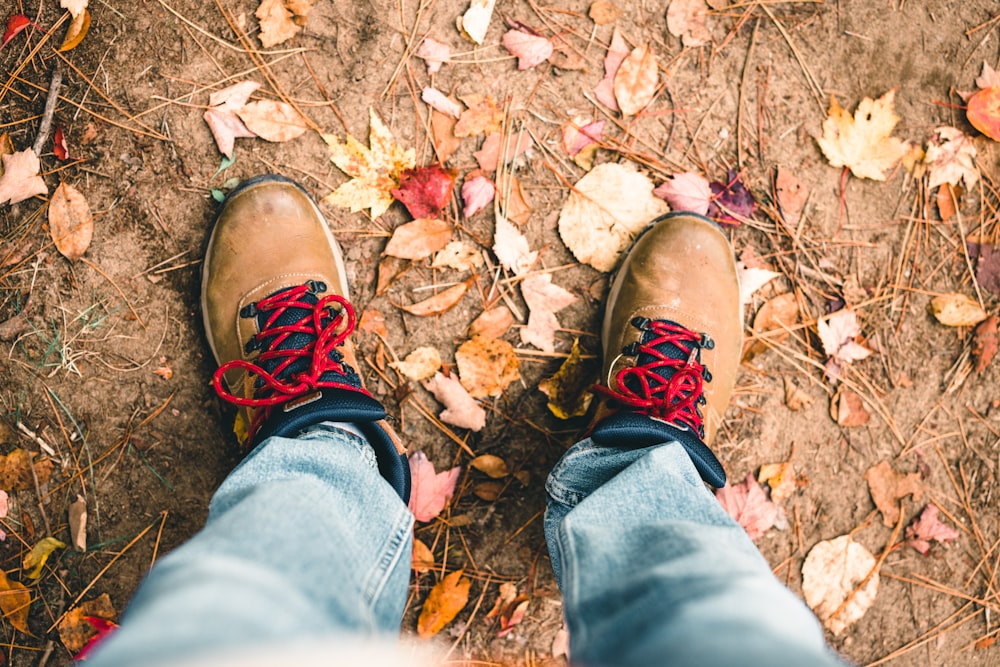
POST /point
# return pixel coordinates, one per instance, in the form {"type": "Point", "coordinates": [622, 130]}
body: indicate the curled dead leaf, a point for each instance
{"type": "Point", "coordinates": [772, 321]}
{"type": "Point", "coordinates": [984, 343]}
{"type": "Point", "coordinates": [887, 486]}
{"type": "Point", "coordinates": [77, 30]}
{"type": "Point", "coordinates": [418, 239]}
{"type": "Point", "coordinates": [441, 302]}
{"type": "Point", "coordinates": [567, 390]}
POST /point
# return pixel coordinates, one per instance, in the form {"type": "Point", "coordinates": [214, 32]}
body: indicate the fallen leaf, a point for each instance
{"type": "Point", "coordinates": [490, 464]}
{"type": "Point", "coordinates": [15, 25]}
{"type": "Point", "coordinates": [795, 397]}
{"type": "Point", "coordinates": [430, 491]}
{"type": "Point", "coordinates": [510, 608]}
{"type": "Point", "coordinates": [928, 527]}
{"type": "Point", "coordinates": [476, 20]}
{"type": "Point", "coordinates": [448, 597]}
{"type": "Point", "coordinates": [560, 644]}
{"type": "Point", "coordinates": [443, 133]}
{"type": "Point", "coordinates": [603, 12]}
{"type": "Point", "coordinates": [76, 631]}
{"type": "Point", "coordinates": [434, 53]}
{"type": "Point", "coordinates": [272, 121]}
{"type": "Point", "coordinates": [568, 390]}
{"type": "Point", "coordinates": [74, 7]}
{"type": "Point", "coordinates": [488, 491]}
{"type": "Point", "coordinates": [505, 595]}
{"type": "Point", "coordinates": [492, 323]}
{"type": "Point", "coordinates": [686, 19]}
{"type": "Point", "coordinates": [544, 299]}
{"type": "Point", "coordinates": [686, 192]}
{"type": "Point", "coordinates": [477, 193]}
{"type": "Point", "coordinates": [773, 319]}
{"type": "Point", "coordinates": [951, 158]}
{"type": "Point", "coordinates": [948, 197]}
{"type": "Point", "coordinates": [489, 155]}
{"type": "Point", "coordinates": [373, 322]}
{"type": "Point", "coordinates": [438, 101]}
{"type": "Point", "coordinates": [423, 558]}
{"type": "Point", "coordinates": [39, 555]}
{"type": "Point", "coordinates": [390, 269]}
{"type": "Point", "coordinates": [838, 333]}
{"type": "Point", "coordinates": [989, 77]}
{"type": "Point", "coordinates": [59, 147]}
{"type": "Point", "coordinates": [104, 629]}
{"type": "Point", "coordinates": [791, 195]}
{"type": "Point", "coordinates": [511, 248]}
{"type": "Point", "coordinates": [78, 524]}
{"type": "Point", "coordinates": [605, 210]}
{"type": "Point", "coordinates": [486, 366]}
{"type": "Point", "coordinates": [987, 257]}
{"type": "Point", "coordinates": [780, 477]}
{"type": "Point", "coordinates": [16, 474]}
{"type": "Point", "coordinates": [566, 56]}
{"type": "Point", "coordinates": [530, 50]}
{"type": "Point", "coordinates": [424, 191]}
{"type": "Point", "coordinates": [441, 302]}
{"type": "Point", "coordinates": [617, 52]}
{"type": "Point", "coordinates": [831, 572]}
{"type": "Point", "coordinates": [14, 327]}
{"type": "Point", "coordinates": [420, 364]}
{"type": "Point", "coordinates": [514, 205]}
{"type": "Point", "coordinates": [375, 171]}
{"type": "Point", "coordinates": [984, 343]}
{"type": "Point", "coordinates": [418, 239]}
{"type": "Point", "coordinates": [221, 116]}
{"type": "Point", "coordinates": [887, 486]}
{"type": "Point", "coordinates": [752, 279]}
{"type": "Point", "coordinates": [957, 310]}
{"type": "Point", "coordinates": [863, 143]}
{"type": "Point", "coordinates": [20, 178]}
{"type": "Point", "coordinates": [70, 222]}
{"type": "Point", "coordinates": [77, 30]}
{"type": "Point", "coordinates": [580, 133]}
{"type": "Point", "coordinates": [482, 116]}
{"type": "Point", "coordinates": [983, 112]}
{"type": "Point", "coordinates": [747, 503]}
{"type": "Point", "coordinates": [461, 409]}
{"type": "Point", "coordinates": [850, 410]}
{"type": "Point", "coordinates": [280, 20]}
{"type": "Point", "coordinates": [636, 80]}
{"type": "Point", "coordinates": [457, 255]}
{"type": "Point", "coordinates": [15, 601]}
{"type": "Point", "coordinates": [731, 201]}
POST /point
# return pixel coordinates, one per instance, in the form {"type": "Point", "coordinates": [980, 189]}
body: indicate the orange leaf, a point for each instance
{"type": "Point", "coordinates": [418, 239]}
{"type": "Point", "coordinates": [486, 367]}
{"type": "Point", "coordinates": [75, 630]}
{"type": "Point", "coordinates": [15, 599]}
{"type": "Point", "coordinates": [423, 557]}
{"type": "Point", "coordinates": [441, 302]}
{"type": "Point", "coordinates": [984, 112]}
{"type": "Point", "coordinates": [636, 81]}
{"type": "Point", "coordinates": [77, 31]}
{"type": "Point", "coordinates": [70, 222]}
{"type": "Point", "coordinates": [445, 600]}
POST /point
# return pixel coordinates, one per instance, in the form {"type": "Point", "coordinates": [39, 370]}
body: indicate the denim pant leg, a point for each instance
{"type": "Point", "coordinates": [654, 572]}
{"type": "Point", "coordinates": [303, 539]}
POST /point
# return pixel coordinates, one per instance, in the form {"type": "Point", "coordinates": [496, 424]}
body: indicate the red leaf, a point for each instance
{"type": "Point", "coordinates": [431, 490]}
{"type": "Point", "coordinates": [748, 505]}
{"type": "Point", "coordinates": [15, 24]}
{"type": "Point", "coordinates": [731, 201]}
{"type": "Point", "coordinates": [104, 628]}
{"type": "Point", "coordinates": [424, 191]}
{"type": "Point", "coordinates": [59, 146]}
{"type": "Point", "coordinates": [926, 528]}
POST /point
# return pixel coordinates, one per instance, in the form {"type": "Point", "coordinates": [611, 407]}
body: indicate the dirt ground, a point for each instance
{"type": "Point", "coordinates": [146, 451]}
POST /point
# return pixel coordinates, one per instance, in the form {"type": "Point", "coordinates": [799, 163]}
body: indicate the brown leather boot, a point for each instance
{"type": "Point", "coordinates": [672, 336]}
{"type": "Point", "coordinates": [274, 299]}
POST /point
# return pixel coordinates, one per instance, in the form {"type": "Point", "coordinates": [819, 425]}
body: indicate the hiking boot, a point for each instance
{"type": "Point", "coordinates": [672, 335]}
{"type": "Point", "coordinates": [275, 303]}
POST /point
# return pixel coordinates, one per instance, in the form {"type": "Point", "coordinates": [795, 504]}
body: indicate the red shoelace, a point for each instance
{"type": "Point", "coordinates": [280, 385]}
{"type": "Point", "coordinates": [643, 389]}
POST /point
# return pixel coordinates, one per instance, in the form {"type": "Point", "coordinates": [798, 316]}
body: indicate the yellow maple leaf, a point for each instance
{"type": "Point", "coordinates": [863, 142]}
{"type": "Point", "coordinates": [375, 170]}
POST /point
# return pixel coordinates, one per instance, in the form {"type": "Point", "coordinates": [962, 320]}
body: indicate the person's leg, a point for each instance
{"type": "Point", "coordinates": [652, 570]}
{"type": "Point", "coordinates": [304, 539]}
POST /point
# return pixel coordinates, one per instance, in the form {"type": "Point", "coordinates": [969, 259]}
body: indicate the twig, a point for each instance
{"type": "Point", "coordinates": [45, 128]}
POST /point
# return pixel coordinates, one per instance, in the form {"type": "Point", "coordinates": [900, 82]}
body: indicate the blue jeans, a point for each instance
{"type": "Point", "coordinates": [305, 541]}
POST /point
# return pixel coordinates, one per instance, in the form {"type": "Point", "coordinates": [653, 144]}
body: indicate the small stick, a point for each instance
{"type": "Point", "coordinates": [45, 128]}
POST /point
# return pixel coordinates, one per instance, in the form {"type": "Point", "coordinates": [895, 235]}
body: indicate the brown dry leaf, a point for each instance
{"type": "Point", "coordinates": [418, 239]}
{"type": "Point", "coordinates": [887, 486]}
{"type": "Point", "coordinates": [493, 466]}
{"type": "Point", "coordinates": [863, 142]}
{"type": "Point", "coordinates": [686, 19]}
{"type": "Point", "coordinates": [482, 116]}
{"type": "Point", "coordinates": [20, 179]}
{"type": "Point", "coordinates": [488, 491]}
{"type": "Point", "coordinates": [830, 573]}
{"type": "Point", "coordinates": [443, 132]}
{"type": "Point", "coordinates": [280, 20]}
{"type": "Point", "coordinates": [544, 299]}
{"type": "Point", "coordinates": [390, 269]}
{"type": "Point", "coordinates": [441, 302]}
{"type": "Point", "coordinates": [603, 12]}
{"type": "Point", "coordinates": [77, 30]}
{"type": "Point", "coordinates": [75, 630]}
{"type": "Point", "coordinates": [847, 409]}
{"type": "Point", "coordinates": [70, 222]}
{"type": "Point", "coordinates": [448, 597]}
{"type": "Point", "coordinates": [461, 409]}
{"type": "Point", "coordinates": [486, 367]}
{"type": "Point", "coordinates": [273, 121]}
{"type": "Point", "coordinates": [457, 255]}
{"type": "Point", "coordinates": [78, 524]}
{"type": "Point", "coordinates": [791, 195]}
{"type": "Point", "coordinates": [492, 323]}
{"type": "Point", "coordinates": [795, 397]}
{"type": "Point", "coordinates": [636, 80]}
{"type": "Point", "coordinates": [513, 202]}
{"type": "Point", "coordinates": [15, 471]}
{"type": "Point", "coordinates": [567, 389]}
{"type": "Point", "coordinates": [15, 600]}
{"type": "Point", "coordinates": [780, 477]}
{"type": "Point", "coordinates": [948, 197]}
{"type": "Point", "coordinates": [221, 116]}
{"type": "Point", "coordinates": [957, 310]}
{"type": "Point", "coordinates": [373, 322]}
{"type": "Point", "coordinates": [420, 364]}
{"type": "Point", "coordinates": [984, 343]}
{"type": "Point", "coordinates": [775, 315]}
{"type": "Point", "coordinates": [423, 557]}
